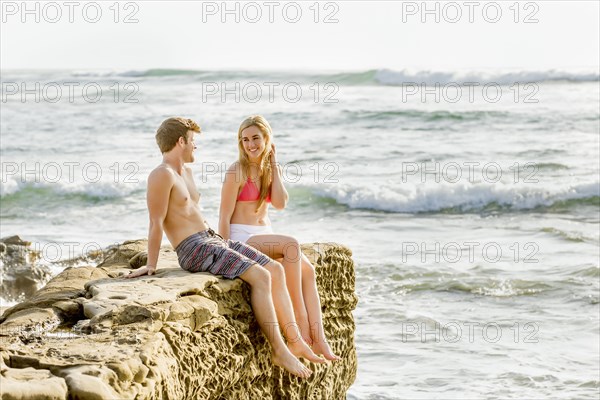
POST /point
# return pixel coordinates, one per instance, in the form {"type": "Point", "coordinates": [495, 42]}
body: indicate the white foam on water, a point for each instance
{"type": "Point", "coordinates": [466, 196]}
{"type": "Point", "coordinates": [507, 77]}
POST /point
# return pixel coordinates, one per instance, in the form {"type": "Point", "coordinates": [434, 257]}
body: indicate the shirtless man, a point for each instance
{"type": "Point", "coordinates": [173, 206]}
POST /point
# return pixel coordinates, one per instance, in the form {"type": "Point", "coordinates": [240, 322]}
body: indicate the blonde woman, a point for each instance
{"type": "Point", "coordinates": [251, 184]}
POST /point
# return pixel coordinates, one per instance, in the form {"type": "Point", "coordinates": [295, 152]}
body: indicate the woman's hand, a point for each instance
{"type": "Point", "coordinates": [273, 155]}
{"type": "Point", "coordinates": [141, 271]}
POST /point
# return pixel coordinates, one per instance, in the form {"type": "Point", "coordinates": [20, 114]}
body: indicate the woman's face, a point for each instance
{"type": "Point", "coordinates": [253, 142]}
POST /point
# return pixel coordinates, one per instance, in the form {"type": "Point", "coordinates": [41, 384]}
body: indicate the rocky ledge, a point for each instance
{"type": "Point", "coordinates": [90, 334]}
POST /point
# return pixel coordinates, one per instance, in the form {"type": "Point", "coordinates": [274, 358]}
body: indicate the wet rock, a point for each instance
{"type": "Point", "coordinates": [20, 273]}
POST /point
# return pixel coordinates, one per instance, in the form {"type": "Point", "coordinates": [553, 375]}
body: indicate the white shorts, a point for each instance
{"type": "Point", "coordinates": [242, 232]}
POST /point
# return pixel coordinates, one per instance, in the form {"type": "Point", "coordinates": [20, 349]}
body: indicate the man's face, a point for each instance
{"type": "Point", "coordinates": [189, 147]}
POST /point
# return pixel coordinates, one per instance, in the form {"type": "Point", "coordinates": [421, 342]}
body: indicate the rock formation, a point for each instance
{"type": "Point", "coordinates": [20, 275]}
{"type": "Point", "coordinates": [90, 334]}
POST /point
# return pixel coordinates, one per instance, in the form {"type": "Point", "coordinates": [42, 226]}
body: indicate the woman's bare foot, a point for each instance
{"type": "Point", "coordinates": [291, 364]}
{"type": "Point", "coordinates": [299, 348]}
{"type": "Point", "coordinates": [322, 347]}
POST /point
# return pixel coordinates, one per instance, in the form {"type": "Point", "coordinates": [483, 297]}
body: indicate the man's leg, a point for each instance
{"type": "Point", "coordinates": [286, 249]}
{"type": "Point", "coordinates": [259, 280]}
{"type": "Point", "coordinates": [285, 314]}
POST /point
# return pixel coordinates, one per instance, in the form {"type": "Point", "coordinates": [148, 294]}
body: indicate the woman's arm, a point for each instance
{"type": "Point", "coordinates": [279, 196]}
{"type": "Point", "coordinates": [229, 193]}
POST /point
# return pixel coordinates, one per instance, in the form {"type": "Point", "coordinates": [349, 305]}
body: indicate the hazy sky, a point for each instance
{"type": "Point", "coordinates": [367, 34]}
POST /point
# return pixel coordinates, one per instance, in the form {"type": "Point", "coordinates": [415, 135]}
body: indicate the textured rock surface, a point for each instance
{"type": "Point", "coordinates": [20, 275]}
{"type": "Point", "coordinates": [92, 335]}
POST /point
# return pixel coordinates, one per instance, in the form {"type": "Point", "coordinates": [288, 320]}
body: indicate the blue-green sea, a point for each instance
{"type": "Point", "coordinates": [473, 220]}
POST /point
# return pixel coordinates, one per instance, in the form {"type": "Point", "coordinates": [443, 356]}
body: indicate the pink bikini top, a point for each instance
{"type": "Point", "coordinates": [250, 192]}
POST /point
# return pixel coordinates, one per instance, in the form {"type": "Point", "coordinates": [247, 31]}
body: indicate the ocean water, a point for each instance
{"type": "Point", "coordinates": [472, 208]}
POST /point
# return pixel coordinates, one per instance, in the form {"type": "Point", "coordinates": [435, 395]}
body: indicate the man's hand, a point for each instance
{"type": "Point", "coordinates": [141, 271]}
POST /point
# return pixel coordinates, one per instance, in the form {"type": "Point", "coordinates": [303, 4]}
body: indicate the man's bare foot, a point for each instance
{"type": "Point", "coordinates": [322, 347]}
{"type": "Point", "coordinates": [299, 348]}
{"type": "Point", "coordinates": [291, 364]}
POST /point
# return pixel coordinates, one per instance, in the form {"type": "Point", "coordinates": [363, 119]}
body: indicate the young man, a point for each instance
{"type": "Point", "coordinates": [173, 206]}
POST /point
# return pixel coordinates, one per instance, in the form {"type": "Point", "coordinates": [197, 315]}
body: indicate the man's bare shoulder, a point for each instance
{"type": "Point", "coordinates": [163, 174]}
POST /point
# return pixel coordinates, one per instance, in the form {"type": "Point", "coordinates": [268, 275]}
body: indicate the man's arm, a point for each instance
{"type": "Point", "coordinates": [160, 183]}
{"type": "Point", "coordinates": [229, 193]}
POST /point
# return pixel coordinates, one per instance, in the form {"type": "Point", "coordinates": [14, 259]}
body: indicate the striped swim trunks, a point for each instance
{"type": "Point", "coordinates": [207, 252]}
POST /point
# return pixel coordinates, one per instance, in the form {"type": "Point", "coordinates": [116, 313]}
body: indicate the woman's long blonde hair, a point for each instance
{"type": "Point", "coordinates": [264, 165]}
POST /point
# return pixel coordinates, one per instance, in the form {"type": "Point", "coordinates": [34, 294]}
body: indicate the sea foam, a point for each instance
{"type": "Point", "coordinates": [460, 197]}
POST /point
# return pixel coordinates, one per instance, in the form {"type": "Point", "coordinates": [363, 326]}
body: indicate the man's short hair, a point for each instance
{"type": "Point", "coordinates": [171, 130]}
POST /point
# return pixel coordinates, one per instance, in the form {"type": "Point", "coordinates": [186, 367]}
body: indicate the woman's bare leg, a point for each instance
{"type": "Point", "coordinates": [262, 304]}
{"type": "Point", "coordinates": [313, 307]}
{"type": "Point", "coordinates": [286, 249]}
{"type": "Point", "coordinates": [285, 314]}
